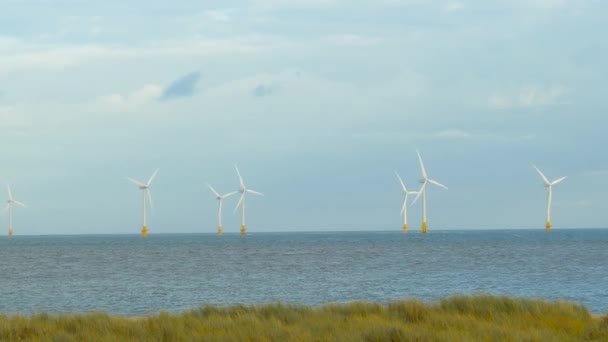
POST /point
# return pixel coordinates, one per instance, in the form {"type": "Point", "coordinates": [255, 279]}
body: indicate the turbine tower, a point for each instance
{"type": "Point", "coordinates": [406, 193]}
{"type": "Point", "coordinates": [549, 186]}
{"type": "Point", "coordinates": [146, 191]}
{"type": "Point", "coordinates": [9, 207]}
{"type": "Point", "coordinates": [425, 180]}
{"type": "Point", "coordinates": [220, 200]}
{"type": "Point", "coordinates": [243, 190]}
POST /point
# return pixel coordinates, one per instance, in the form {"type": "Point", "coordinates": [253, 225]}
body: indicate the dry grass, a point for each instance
{"type": "Point", "coordinates": [458, 318]}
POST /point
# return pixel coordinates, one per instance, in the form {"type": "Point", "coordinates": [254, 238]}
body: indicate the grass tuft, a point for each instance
{"type": "Point", "coordinates": [456, 318]}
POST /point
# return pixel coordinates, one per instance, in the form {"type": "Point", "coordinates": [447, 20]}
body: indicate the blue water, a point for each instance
{"type": "Point", "coordinates": [124, 274]}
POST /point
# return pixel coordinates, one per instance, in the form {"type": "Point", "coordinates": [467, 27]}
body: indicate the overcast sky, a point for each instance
{"type": "Point", "coordinates": [318, 101]}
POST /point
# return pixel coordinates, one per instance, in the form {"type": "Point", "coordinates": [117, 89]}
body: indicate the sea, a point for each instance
{"type": "Point", "coordinates": [130, 276]}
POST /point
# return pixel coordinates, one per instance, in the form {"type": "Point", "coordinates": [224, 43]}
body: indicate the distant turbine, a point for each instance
{"type": "Point", "coordinates": [406, 193]}
{"type": "Point", "coordinates": [549, 186]}
{"type": "Point", "coordinates": [146, 190]}
{"type": "Point", "coordinates": [425, 179]}
{"type": "Point", "coordinates": [243, 190]}
{"type": "Point", "coordinates": [9, 207]}
{"type": "Point", "coordinates": [220, 200]}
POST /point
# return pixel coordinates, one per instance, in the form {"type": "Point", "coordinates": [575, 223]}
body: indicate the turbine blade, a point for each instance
{"type": "Point", "coordinates": [240, 201]}
{"type": "Point", "coordinates": [254, 192]}
{"type": "Point", "coordinates": [150, 200]}
{"type": "Point", "coordinates": [10, 193]}
{"type": "Point", "coordinates": [421, 165]}
{"type": "Point", "coordinates": [401, 182]}
{"type": "Point", "coordinates": [240, 178]}
{"type": "Point", "coordinates": [229, 194]}
{"type": "Point", "coordinates": [136, 182]}
{"type": "Point", "coordinates": [558, 180]}
{"type": "Point", "coordinates": [404, 204]}
{"type": "Point", "coordinates": [419, 193]}
{"type": "Point", "coordinates": [20, 203]}
{"type": "Point", "coordinates": [152, 177]}
{"type": "Point", "coordinates": [542, 175]}
{"type": "Point", "coordinates": [213, 190]}
{"type": "Point", "coordinates": [437, 183]}
{"type": "Point", "coordinates": [6, 208]}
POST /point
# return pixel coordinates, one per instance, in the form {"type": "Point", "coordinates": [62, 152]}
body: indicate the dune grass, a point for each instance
{"type": "Point", "coordinates": [457, 318]}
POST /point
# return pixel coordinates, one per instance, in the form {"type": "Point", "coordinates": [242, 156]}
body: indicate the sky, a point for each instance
{"type": "Point", "coordinates": [319, 102]}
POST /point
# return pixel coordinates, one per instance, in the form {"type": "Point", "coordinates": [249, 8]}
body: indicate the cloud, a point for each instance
{"type": "Point", "coordinates": [294, 4]}
{"type": "Point", "coordinates": [545, 4]}
{"type": "Point", "coordinates": [527, 97]}
{"type": "Point", "coordinates": [262, 90]}
{"type": "Point", "coordinates": [452, 133]}
{"type": "Point", "coordinates": [10, 117]}
{"type": "Point", "coordinates": [184, 86]}
{"type": "Point", "coordinates": [453, 6]}
{"type": "Point", "coordinates": [147, 93]}
{"type": "Point", "coordinates": [16, 55]}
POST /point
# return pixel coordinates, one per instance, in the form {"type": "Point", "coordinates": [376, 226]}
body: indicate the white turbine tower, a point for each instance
{"type": "Point", "coordinates": [406, 193]}
{"type": "Point", "coordinates": [220, 200]}
{"type": "Point", "coordinates": [549, 186]}
{"type": "Point", "coordinates": [243, 190]}
{"type": "Point", "coordinates": [146, 191]}
{"type": "Point", "coordinates": [9, 207]}
{"type": "Point", "coordinates": [425, 180]}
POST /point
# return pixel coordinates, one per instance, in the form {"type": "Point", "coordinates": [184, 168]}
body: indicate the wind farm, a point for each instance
{"type": "Point", "coordinates": [9, 208]}
{"type": "Point", "coordinates": [146, 196]}
{"type": "Point", "coordinates": [549, 186]}
{"type": "Point", "coordinates": [406, 193]}
{"type": "Point", "coordinates": [220, 200]}
{"type": "Point", "coordinates": [424, 181]}
{"type": "Point", "coordinates": [243, 190]}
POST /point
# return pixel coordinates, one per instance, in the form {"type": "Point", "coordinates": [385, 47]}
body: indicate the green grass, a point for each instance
{"type": "Point", "coordinates": [458, 318]}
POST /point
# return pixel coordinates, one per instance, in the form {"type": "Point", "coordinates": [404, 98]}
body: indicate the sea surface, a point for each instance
{"type": "Point", "coordinates": [126, 275]}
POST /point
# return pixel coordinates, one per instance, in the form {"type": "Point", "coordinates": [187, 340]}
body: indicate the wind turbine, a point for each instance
{"type": "Point", "coordinates": [146, 191]}
{"type": "Point", "coordinates": [11, 201]}
{"type": "Point", "coordinates": [406, 193]}
{"type": "Point", "coordinates": [549, 186]}
{"type": "Point", "coordinates": [425, 180]}
{"type": "Point", "coordinates": [220, 200]}
{"type": "Point", "coordinates": [243, 190]}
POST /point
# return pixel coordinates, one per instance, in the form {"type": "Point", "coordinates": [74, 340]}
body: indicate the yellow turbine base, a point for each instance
{"type": "Point", "coordinates": [144, 232]}
{"type": "Point", "coordinates": [243, 230]}
{"type": "Point", "coordinates": [10, 233]}
{"type": "Point", "coordinates": [424, 227]}
{"type": "Point", "coordinates": [219, 230]}
{"type": "Point", "coordinates": [548, 226]}
{"type": "Point", "coordinates": [405, 227]}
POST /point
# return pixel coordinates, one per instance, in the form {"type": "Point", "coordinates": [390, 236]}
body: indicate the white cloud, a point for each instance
{"type": "Point", "coordinates": [221, 15]}
{"type": "Point", "coordinates": [11, 117]}
{"type": "Point", "coordinates": [287, 4]}
{"type": "Point", "coordinates": [453, 6]}
{"type": "Point", "coordinates": [147, 93]}
{"type": "Point", "coordinates": [351, 40]}
{"type": "Point", "coordinates": [545, 4]}
{"type": "Point", "coordinates": [20, 56]}
{"type": "Point", "coordinates": [452, 133]}
{"type": "Point", "coordinates": [528, 96]}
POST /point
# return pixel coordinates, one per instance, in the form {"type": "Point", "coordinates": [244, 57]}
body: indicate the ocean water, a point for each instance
{"type": "Point", "coordinates": [123, 274]}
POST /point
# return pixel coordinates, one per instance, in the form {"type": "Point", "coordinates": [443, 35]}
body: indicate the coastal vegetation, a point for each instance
{"type": "Point", "coordinates": [456, 318]}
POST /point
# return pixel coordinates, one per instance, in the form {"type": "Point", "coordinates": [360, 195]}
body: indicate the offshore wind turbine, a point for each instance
{"type": "Point", "coordinates": [9, 207]}
{"type": "Point", "coordinates": [145, 193]}
{"type": "Point", "coordinates": [549, 185]}
{"type": "Point", "coordinates": [425, 180]}
{"type": "Point", "coordinates": [406, 193]}
{"type": "Point", "coordinates": [243, 190]}
{"type": "Point", "coordinates": [220, 200]}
